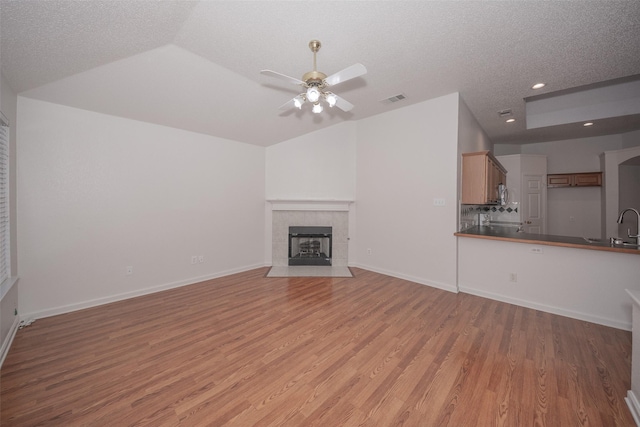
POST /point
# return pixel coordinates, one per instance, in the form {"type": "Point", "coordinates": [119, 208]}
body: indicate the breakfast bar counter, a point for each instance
{"type": "Point", "coordinates": [510, 234]}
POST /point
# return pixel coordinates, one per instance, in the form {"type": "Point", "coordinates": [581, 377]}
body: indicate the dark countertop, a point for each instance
{"type": "Point", "coordinates": [510, 234]}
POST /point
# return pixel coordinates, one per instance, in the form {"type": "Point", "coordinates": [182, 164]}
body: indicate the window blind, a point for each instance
{"type": "Point", "coordinates": [5, 251]}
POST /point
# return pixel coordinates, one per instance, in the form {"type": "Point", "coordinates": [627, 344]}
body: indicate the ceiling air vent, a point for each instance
{"type": "Point", "coordinates": [393, 99]}
{"type": "Point", "coordinates": [505, 113]}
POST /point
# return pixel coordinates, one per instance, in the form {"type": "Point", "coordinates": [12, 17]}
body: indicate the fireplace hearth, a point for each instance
{"type": "Point", "coordinates": [310, 245]}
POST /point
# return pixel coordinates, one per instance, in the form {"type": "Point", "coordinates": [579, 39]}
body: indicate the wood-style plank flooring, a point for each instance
{"type": "Point", "coordinates": [373, 350]}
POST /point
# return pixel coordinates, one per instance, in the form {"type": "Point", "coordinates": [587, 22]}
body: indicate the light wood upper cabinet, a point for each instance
{"type": "Point", "coordinates": [481, 174]}
{"type": "Point", "coordinates": [588, 179]}
{"type": "Point", "coordinates": [559, 180]}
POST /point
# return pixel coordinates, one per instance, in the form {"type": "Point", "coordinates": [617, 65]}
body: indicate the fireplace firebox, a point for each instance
{"type": "Point", "coordinates": [310, 245]}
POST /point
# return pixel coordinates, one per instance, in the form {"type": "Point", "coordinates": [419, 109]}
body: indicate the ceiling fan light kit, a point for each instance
{"type": "Point", "coordinates": [315, 84]}
{"type": "Point", "coordinates": [313, 94]}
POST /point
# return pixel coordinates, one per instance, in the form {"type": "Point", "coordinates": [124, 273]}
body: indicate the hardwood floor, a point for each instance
{"type": "Point", "coordinates": [372, 350]}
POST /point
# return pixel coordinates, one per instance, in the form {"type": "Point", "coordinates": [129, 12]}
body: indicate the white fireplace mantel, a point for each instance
{"type": "Point", "coordinates": [310, 204]}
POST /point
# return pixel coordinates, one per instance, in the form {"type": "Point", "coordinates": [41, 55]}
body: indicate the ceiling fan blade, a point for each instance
{"type": "Point", "coordinates": [343, 104]}
{"type": "Point", "coordinates": [356, 70]}
{"type": "Point", "coordinates": [282, 77]}
{"type": "Point", "coordinates": [287, 105]}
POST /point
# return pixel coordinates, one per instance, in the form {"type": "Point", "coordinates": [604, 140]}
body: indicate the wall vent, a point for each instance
{"type": "Point", "coordinates": [394, 98]}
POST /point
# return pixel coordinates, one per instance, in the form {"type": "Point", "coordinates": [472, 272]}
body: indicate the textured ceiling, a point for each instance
{"type": "Point", "coordinates": [195, 65]}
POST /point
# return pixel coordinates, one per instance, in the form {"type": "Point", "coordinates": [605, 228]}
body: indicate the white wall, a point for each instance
{"type": "Point", "coordinates": [611, 161]}
{"type": "Point", "coordinates": [575, 155]}
{"type": "Point", "coordinates": [471, 137]}
{"type": "Point", "coordinates": [506, 149]}
{"type": "Point", "coordinates": [629, 185]}
{"type": "Point", "coordinates": [579, 283]}
{"type": "Point", "coordinates": [512, 164]}
{"type": "Point", "coordinates": [574, 211]}
{"type": "Point", "coordinates": [630, 139]}
{"type": "Point", "coordinates": [405, 159]}
{"type": "Point", "coordinates": [97, 193]}
{"type": "Point", "coordinates": [318, 165]}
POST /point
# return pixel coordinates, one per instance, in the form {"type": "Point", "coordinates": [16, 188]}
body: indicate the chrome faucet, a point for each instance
{"type": "Point", "coordinates": [637, 236]}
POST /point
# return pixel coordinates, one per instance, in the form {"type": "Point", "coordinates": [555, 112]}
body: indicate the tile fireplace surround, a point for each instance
{"type": "Point", "coordinates": [286, 213]}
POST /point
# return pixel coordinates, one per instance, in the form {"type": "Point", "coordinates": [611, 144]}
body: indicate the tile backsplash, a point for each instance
{"type": "Point", "coordinates": [507, 213]}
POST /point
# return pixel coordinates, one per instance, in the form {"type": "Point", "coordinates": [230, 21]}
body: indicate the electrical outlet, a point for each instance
{"type": "Point", "coordinates": [536, 250]}
{"type": "Point", "coordinates": [194, 259]}
{"type": "Point", "coordinates": [438, 202]}
{"type": "Point", "coordinates": [201, 259]}
{"type": "Point", "coordinates": [129, 270]}
{"type": "Point", "coordinates": [513, 277]}
{"type": "Point", "coordinates": [368, 251]}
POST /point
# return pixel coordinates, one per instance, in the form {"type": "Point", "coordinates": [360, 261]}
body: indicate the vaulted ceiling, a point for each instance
{"type": "Point", "coordinates": [195, 65]}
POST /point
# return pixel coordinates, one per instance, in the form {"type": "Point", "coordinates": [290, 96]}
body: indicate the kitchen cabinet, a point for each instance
{"type": "Point", "coordinates": [585, 179]}
{"type": "Point", "coordinates": [591, 179]}
{"type": "Point", "coordinates": [481, 174]}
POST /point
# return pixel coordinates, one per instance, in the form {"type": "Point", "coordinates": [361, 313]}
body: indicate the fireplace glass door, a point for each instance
{"type": "Point", "coordinates": [310, 245]}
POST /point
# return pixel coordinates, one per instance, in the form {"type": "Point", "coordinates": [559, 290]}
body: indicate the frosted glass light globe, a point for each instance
{"type": "Point", "coordinates": [313, 94]}
{"type": "Point", "coordinates": [331, 99]}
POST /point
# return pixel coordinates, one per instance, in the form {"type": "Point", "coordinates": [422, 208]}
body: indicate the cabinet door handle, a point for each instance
{"type": "Point", "coordinates": [527, 222]}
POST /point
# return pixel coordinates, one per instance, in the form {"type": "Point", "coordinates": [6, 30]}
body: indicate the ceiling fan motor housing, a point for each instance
{"type": "Point", "coordinates": [314, 78]}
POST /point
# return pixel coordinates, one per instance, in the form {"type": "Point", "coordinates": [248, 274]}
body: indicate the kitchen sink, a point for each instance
{"type": "Point", "coordinates": [617, 242]}
{"type": "Point", "coordinates": [613, 241]}
{"type": "Point", "coordinates": [627, 244]}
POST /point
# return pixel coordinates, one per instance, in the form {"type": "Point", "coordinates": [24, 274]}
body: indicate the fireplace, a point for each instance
{"type": "Point", "coordinates": [304, 213]}
{"type": "Point", "coordinates": [310, 245]}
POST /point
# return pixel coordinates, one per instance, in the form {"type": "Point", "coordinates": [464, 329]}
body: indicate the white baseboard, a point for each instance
{"type": "Point", "coordinates": [119, 297]}
{"type": "Point", "coordinates": [588, 317]}
{"type": "Point", "coordinates": [432, 283]}
{"type": "Point", "coordinates": [6, 344]}
{"type": "Point", "coordinates": [549, 308]}
{"type": "Point", "coordinates": [634, 406]}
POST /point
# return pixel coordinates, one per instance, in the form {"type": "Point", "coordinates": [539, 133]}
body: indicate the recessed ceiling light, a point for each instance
{"type": "Point", "coordinates": [510, 120]}
{"type": "Point", "coordinates": [538, 86]}
{"type": "Point", "coordinates": [588, 124]}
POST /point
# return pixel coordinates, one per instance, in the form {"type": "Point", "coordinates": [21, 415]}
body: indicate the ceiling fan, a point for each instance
{"type": "Point", "coordinates": [316, 83]}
